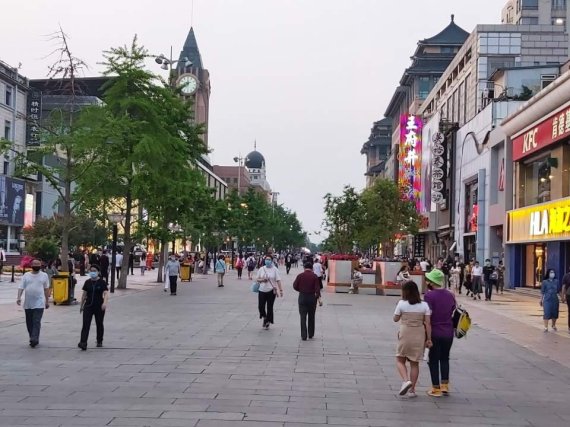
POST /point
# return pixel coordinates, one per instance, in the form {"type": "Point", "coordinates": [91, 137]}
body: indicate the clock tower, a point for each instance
{"type": "Point", "coordinates": [194, 81]}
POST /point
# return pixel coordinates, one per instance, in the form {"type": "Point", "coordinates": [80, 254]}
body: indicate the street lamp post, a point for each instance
{"type": "Point", "coordinates": [167, 63]}
{"type": "Point", "coordinates": [239, 160]}
{"type": "Point", "coordinates": [114, 218]}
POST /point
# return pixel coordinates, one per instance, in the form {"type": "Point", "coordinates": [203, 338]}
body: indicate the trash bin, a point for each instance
{"type": "Point", "coordinates": [186, 272]}
{"type": "Point", "coordinates": [62, 288]}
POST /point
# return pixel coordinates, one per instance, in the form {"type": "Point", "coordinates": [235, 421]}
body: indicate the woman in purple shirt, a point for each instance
{"type": "Point", "coordinates": [442, 304]}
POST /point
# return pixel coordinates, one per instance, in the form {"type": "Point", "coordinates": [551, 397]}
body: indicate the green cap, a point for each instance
{"type": "Point", "coordinates": [436, 277]}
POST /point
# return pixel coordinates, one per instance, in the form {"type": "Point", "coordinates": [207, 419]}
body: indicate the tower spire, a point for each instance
{"type": "Point", "coordinates": [255, 145]}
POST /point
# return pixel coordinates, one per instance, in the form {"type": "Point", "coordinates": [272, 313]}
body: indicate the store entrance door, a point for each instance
{"type": "Point", "coordinates": [535, 265]}
{"type": "Point", "coordinates": [470, 249]}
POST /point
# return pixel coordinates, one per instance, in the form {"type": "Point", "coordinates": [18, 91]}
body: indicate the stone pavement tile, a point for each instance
{"type": "Point", "coordinates": [40, 412]}
{"type": "Point", "coordinates": [326, 412]}
{"type": "Point", "coordinates": [101, 420]}
{"type": "Point", "coordinates": [145, 422]}
{"type": "Point", "coordinates": [228, 416]}
{"type": "Point", "coordinates": [224, 407]}
{"type": "Point", "coordinates": [217, 423]}
{"type": "Point", "coordinates": [145, 413]}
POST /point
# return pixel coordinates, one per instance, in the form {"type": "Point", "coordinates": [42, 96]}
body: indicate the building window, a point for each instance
{"type": "Point", "coordinates": [9, 96]}
{"type": "Point", "coordinates": [6, 167]}
{"type": "Point", "coordinates": [558, 4]}
{"type": "Point", "coordinates": [424, 87]}
{"type": "Point", "coordinates": [529, 20]}
{"type": "Point", "coordinates": [447, 49]}
{"type": "Point", "coordinates": [535, 181]}
{"type": "Point", "coordinates": [530, 4]}
{"type": "Point", "coordinates": [7, 130]}
{"type": "Point", "coordinates": [558, 21]}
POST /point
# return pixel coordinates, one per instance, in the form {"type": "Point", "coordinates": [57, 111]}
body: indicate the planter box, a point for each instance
{"type": "Point", "coordinates": [339, 275]}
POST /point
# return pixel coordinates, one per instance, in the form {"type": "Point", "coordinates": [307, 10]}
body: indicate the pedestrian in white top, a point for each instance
{"type": "Point", "coordinates": [269, 285]}
{"type": "Point", "coordinates": [35, 285]}
{"type": "Point", "coordinates": [118, 263]}
{"type": "Point", "coordinates": [477, 279]}
{"type": "Point", "coordinates": [172, 270]}
{"type": "Point", "coordinates": [318, 270]}
{"type": "Point", "coordinates": [2, 260]}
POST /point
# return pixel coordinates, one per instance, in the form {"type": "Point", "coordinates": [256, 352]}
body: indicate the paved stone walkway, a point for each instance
{"type": "Point", "coordinates": [202, 359]}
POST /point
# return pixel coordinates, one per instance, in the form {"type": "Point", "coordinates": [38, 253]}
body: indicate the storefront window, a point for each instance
{"type": "Point", "coordinates": [471, 207]}
{"type": "Point", "coordinates": [535, 179]}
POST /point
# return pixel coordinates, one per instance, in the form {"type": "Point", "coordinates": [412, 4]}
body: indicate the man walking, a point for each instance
{"type": "Point", "coordinates": [309, 287]}
{"type": "Point", "coordinates": [172, 270]}
{"type": "Point", "coordinates": [36, 286]}
{"type": "Point", "coordinates": [118, 263]}
{"type": "Point", "coordinates": [104, 262]}
{"type": "Point", "coordinates": [487, 272]}
{"type": "Point", "coordinates": [288, 262]}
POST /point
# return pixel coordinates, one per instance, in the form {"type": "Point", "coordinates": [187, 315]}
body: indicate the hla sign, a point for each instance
{"type": "Point", "coordinates": [551, 221]}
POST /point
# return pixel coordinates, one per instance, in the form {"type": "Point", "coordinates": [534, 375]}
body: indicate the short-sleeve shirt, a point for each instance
{"type": "Point", "coordinates": [442, 304]}
{"type": "Point", "coordinates": [270, 273]}
{"type": "Point", "coordinates": [33, 285]}
{"type": "Point", "coordinates": [94, 290]}
{"type": "Point", "coordinates": [318, 269]}
{"type": "Point", "coordinates": [406, 307]}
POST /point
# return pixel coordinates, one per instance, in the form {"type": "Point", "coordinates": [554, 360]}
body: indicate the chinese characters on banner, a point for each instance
{"type": "Point", "coordinates": [410, 157]}
{"type": "Point", "coordinates": [420, 246]}
{"type": "Point", "coordinates": [439, 169]}
{"type": "Point", "coordinates": [34, 115]}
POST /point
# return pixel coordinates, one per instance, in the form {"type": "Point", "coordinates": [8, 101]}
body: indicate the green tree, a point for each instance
{"type": "Point", "coordinates": [83, 231]}
{"type": "Point", "coordinates": [384, 213]}
{"type": "Point", "coordinates": [62, 157]}
{"type": "Point", "coordinates": [149, 145]}
{"type": "Point", "coordinates": [342, 220]}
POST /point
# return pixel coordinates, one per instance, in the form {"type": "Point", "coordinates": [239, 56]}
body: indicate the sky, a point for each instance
{"type": "Point", "coordinates": [304, 78]}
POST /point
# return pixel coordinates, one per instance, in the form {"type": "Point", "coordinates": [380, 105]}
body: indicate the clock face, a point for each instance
{"type": "Point", "coordinates": [188, 84]}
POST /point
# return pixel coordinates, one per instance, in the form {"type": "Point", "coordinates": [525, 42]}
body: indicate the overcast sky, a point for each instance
{"type": "Point", "coordinates": [305, 78]}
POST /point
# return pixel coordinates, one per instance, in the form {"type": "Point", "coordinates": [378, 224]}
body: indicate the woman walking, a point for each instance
{"type": "Point", "coordinates": [566, 299]}
{"type": "Point", "coordinates": [549, 301]}
{"type": "Point", "coordinates": [220, 269]}
{"type": "Point", "coordinates": [414, 336]}
{"type": "Point", "coordinates": [239, 266]}
{"type": "Point", "coordinates": [93, 303]}
{"type": "Point", "coordinates": [442, 304]}
{"type": "Point", "coordinates": [269, 286]}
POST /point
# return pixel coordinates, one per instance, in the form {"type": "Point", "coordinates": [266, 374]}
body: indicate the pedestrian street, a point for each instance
{"type": "Point", "coordinates": [201, 358]}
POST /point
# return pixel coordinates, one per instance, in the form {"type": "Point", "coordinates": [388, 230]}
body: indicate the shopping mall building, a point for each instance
{"type": "Point", "coordinates": [537, 234]}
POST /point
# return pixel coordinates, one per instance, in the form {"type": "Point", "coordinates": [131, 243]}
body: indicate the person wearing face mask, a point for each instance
{"type": "Point", "coordinates": [488, 270]}
{"type": "Point", "coordinates": [93, 303]}
{"type": "Point", "coordinates": [476, 278]}
{"type": "Point", "coordinates": [269, 288]}
{"type": "Point", "coordinates": [172, 269]}
{"type": "Point", "coordinates": [549, 299]}
{"type": "Point", "coordinates": [35, 284]}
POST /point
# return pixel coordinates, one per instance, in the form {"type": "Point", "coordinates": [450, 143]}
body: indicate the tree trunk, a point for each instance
{"type": "Point", "coordinates": [162, 260]}
{"type": "Point", "coordinates": [128, 243]}
{"type": "Point", "coordinates": [65, 230]}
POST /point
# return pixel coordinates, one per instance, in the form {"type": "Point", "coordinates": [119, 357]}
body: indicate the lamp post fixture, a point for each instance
{"type": "Point", "coordinates": [239, 160]}
{"type": "Point", "coordinates": [167, 64]}
{"type": "Point", "coordinates": [114, 218]}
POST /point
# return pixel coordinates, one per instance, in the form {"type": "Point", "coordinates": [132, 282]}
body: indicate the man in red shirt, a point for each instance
{"type": "Point", "coordinates": [309, 287]}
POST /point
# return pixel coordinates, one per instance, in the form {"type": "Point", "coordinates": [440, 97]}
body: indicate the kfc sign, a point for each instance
{"type": "Point", "coordinates": [553, 129]}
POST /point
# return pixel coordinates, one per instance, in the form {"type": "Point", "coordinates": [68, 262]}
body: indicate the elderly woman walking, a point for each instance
{"type": "Point", "coordinates": [414, 336]}
{"type": "Point", "coordinates": [549, 300]}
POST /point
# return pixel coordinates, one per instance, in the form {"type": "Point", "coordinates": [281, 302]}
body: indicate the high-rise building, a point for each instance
{"type": "Point", "coordinates": [377, 149]}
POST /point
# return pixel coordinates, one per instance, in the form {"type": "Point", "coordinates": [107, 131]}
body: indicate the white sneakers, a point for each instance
{"type": "Point", "coordinates": [406, 386]}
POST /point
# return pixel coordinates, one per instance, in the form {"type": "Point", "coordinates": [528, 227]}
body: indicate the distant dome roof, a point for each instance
{"type": "Point", "coordinates": [254, 160]}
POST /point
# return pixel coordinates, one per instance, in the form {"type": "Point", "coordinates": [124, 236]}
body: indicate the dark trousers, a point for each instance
{"type": "Point", "coordinates": [105, 275]}
{"type": "Point", "coordinates": [239, 271]}
{"type": "Point", "coordinates": [287, 268]}
{"type": "Point", "coordinates": [568, 304]}
{"type": "Point", "coordinates": [477, 283]}
{"type": "Point", "coordinates": [488, 289]}
{"type": "Point", "coordinates": [266, 301]}
{"type": "Point", "coordinates": [307, 308]}
{"type": "Point", "coordinates": [173, 283]}
{"type": "Point", "coordinates": [34, 322]}
{"type": "Point", "coordinates": [439, 359]}
{"type": "Point", "coordinates": [118, 272]}
{"type": "Point", "coordinates": [88, 313]}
